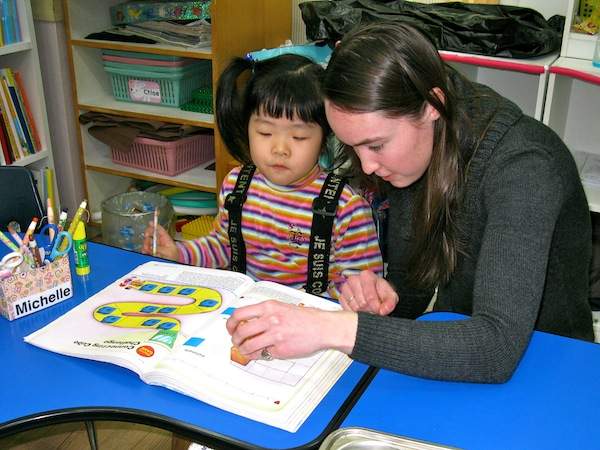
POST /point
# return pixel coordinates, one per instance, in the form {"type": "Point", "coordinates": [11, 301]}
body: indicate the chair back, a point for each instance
{"type": "Point", "coordinates": [19, 197]}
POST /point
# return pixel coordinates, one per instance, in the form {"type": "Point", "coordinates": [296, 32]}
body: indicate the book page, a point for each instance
{"type": "Point", "coordinates": [167, 323]}
{"type": "Point", "coordinates": [281, 393]}
{"type": "Point", "coordinates": [157, 303]}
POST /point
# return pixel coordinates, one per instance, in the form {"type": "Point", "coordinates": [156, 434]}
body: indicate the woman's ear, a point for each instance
{"type": "Point", "coordinates": [431, 112]}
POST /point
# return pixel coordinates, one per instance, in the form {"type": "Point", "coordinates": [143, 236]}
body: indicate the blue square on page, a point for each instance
{"type": "Point", "coordinates": [229, 311]}
{"type": "Point", "coordinates": [194, 341]}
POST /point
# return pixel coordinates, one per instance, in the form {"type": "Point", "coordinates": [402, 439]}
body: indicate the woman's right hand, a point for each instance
{"type": "Point", "coordinates": [368, 292]}
{"type": "Point", "coordinates": [165, 245]}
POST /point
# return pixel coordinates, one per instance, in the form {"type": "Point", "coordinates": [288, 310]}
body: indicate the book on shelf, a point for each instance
{"type": "Point", "coordinates": [11, 28]}
{"type": "Point", "coordinates": [166, 322]}
{"type": "Point", "coordinates": [7, 157]}
{"type": "Point", "coordinates": [21, 134]}
{"type": "Point", "coordinates": [22, 92]}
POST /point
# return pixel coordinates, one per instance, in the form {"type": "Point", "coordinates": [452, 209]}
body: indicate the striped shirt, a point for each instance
{"type": "Point", "coordinates": [276, 225]}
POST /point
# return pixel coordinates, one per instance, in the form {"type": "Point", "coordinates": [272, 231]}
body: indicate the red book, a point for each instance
{"type": "Point", "coordinates": [4, 143]}
{"type": "Point", "coordinates": [31, 122]}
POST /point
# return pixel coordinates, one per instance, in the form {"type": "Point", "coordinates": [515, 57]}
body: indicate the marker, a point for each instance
{"type": "Point", "coordinates": [62, 220]}
{"type": "Point", "coordinates": [30, 230]}
{"type": "Point", "coordinates": [155, 233]}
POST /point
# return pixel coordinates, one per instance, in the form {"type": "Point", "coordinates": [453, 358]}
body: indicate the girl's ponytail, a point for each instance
{"type": "Point", "coordinates": [229, 104]}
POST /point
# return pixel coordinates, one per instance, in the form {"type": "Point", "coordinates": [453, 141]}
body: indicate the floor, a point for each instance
{"type": "Point", "coordinates": [73, 436]}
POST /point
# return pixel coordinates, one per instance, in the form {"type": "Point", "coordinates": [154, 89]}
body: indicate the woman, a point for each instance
{"type": "Point", "coordinates": [486, 205]}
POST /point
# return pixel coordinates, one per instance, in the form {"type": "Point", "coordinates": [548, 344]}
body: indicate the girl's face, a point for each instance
{"type": "Point", "coordinates": [284, 150]}
{"type": "Point", "coordinates": [397, 149]}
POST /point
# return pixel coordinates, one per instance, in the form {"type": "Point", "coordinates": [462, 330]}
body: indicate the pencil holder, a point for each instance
{"type": "Point", "coordinates": [26, 292]}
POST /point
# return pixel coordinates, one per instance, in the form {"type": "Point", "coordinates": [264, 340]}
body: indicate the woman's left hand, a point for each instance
{"type": "Point", "coordinates": [368, 292]}
{"type": "Point", "coordinates": [289, 331]}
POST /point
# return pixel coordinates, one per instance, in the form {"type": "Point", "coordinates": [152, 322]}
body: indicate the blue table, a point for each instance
{"type": "Point", "coordinates": [551, 402]}
{"type": "Point", "coordinates": [40, 387]}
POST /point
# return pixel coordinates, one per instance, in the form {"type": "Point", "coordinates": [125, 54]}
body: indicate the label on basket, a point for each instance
{"type": "Point", "coordinates": [144, 91]}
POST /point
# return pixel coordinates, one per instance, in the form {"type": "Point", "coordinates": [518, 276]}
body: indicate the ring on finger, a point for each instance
{"type": "Point", "coordinates": [265, 354]}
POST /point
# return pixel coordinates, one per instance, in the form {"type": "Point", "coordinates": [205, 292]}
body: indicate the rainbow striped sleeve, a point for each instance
{"type": "Point", "coordinates": [211, 250]}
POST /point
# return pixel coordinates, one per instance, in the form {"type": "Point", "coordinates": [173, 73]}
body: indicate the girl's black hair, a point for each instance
{"type": "Point", "coordinates": [284, 86]}
{"type": "Point", "coordinates": [392, 68]}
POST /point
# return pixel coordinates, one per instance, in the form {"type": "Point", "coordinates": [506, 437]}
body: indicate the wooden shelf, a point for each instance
{"type": "Point", "coordinates": [197, 178]}
{"type": "Point", "coordinates": [148, 112]}
{"type": "Point", "coordinates": [198, 53]}
{"type": "Point", "coordinates": [235, 31]}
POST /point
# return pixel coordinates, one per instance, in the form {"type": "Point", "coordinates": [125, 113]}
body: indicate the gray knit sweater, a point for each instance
{"type": "Point", "coordinates": [525, 224]}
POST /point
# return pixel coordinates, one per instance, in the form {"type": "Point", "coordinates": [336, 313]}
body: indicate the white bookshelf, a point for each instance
{"type": "Point", "coordinates": [23, 57]}
{"type": "Point", "coordinates": [523, 81]}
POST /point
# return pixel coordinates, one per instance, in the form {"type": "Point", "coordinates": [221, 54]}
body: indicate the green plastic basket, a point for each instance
{"type": "Point", "coordinates": [201, 101]}
{"type": "Point", "coordinates": [144, 84]}
{"type": "Point", "coordinates": [153, 69]}
{"type": "Point", "coordinates": [128, 54]}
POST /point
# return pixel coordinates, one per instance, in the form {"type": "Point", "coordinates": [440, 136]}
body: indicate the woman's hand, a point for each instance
{"type": "Point", "coordinates": [290, 331]}
{"type": "Point", "coordinates": [165, 245]}
{"type": "Point", "coordinates": [368, 292]}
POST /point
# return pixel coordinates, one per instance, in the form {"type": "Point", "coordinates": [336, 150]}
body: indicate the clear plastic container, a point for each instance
{"type": "Point", "coordinates": [126, 216]}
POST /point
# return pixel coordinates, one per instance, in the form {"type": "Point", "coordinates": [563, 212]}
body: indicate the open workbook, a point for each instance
{"type": "Point", "coordinates": [166, 322]}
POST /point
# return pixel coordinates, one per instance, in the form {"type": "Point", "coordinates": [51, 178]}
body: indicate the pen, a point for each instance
{"type": "Point", "coordinates": [24, 250]}
{"type": "Point", "coordinates": [10, 244]}
{"type": "Point", "coordinates": [155, 233]}
{"type": "Point", "coordinates": [30, 231]}
{"type": "Point", "coordinates": [35, 251]}
{"type": "Point", "coordinates": [62, 220]}
{"type": "Point", "coordinates": [74, 222]}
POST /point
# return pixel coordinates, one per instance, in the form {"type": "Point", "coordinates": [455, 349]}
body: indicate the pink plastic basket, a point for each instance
{"type": "Point", "coordinates": [167, 158]}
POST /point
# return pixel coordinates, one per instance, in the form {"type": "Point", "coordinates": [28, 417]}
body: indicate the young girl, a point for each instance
{"type": "Point", "coordinates": [277, 126]}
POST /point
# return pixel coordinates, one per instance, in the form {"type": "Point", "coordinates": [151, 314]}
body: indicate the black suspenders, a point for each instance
{"type": "Point", "coordinates": [324, 208]}
{"type": "Point", "coordinates": [234, 203]}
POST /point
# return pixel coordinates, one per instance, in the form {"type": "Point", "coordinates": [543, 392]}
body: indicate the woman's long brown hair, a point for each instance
{"type": "Point", "coordinates": [392, 68]}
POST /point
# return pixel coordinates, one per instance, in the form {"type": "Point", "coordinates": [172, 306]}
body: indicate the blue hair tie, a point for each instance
{"type": "Point", "coordinates": [317, 53]}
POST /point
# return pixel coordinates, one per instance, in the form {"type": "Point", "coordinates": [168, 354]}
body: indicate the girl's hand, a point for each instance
{"type": "Point", "coordinates": [165, 245]}
{"type": "Point", "coordinates": [289, 331]}
{"type": "Point", "coordinates": [368, 292]}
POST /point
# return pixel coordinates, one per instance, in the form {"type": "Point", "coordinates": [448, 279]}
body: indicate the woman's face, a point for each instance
{"type": "Point", "coordinates": [397, 149]}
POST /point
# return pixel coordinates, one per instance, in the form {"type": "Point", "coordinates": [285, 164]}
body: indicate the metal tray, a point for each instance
{"type": "Point", "coordinates": [365, 439]}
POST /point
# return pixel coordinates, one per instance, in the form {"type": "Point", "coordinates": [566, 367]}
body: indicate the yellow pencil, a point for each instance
{"type": "Point", "coordinates": [74, 222]}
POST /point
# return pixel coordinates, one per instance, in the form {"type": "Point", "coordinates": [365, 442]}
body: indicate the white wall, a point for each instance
{"type": "Point", "coordinates": [56, 78]}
